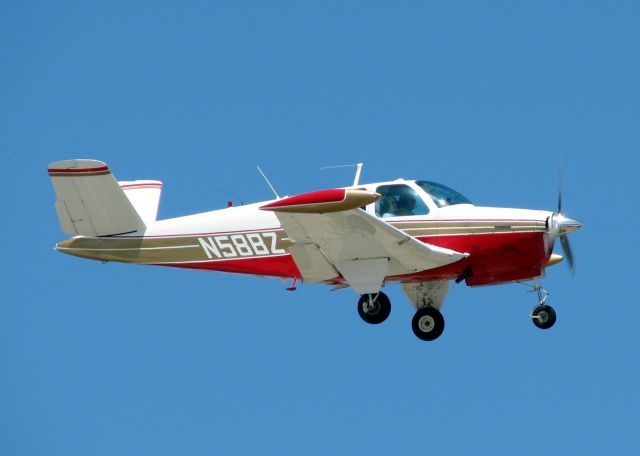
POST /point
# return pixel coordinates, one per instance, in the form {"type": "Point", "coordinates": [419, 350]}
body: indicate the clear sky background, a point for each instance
{"type": "Point", "coordinates": [489, 98]}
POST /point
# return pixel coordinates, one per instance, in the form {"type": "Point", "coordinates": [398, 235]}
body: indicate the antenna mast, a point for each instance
{"type": "Point", "coordinates": [358, 166]}
{"type": "Point", "coordinates": [268, 183]}
{"type": "Point", "coordinates": [356, 181]}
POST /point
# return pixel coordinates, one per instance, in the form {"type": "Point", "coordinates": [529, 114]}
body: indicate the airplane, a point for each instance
{"type": "Point", "coordinates": [418, 233]}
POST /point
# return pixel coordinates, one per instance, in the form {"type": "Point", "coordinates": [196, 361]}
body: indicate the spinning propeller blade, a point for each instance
{"type": "Point", "coordinates": [566, 249]}
{"type": "Point", "coordinates": [560, 226]}
{"type": "Point", "coordinates": [559, 211]}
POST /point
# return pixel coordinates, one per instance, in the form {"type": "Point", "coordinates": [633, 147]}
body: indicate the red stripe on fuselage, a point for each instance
{"type": "Point", "coordinates": [275, 266]}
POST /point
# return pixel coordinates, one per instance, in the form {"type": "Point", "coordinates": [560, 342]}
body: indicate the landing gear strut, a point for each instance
{"type": "Point", "coordinates": [374, 308]}
{"type": "Point", "coordinates": [543, 316]}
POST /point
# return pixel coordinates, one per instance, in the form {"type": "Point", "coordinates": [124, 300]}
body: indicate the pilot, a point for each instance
{"type": "Point", "coordinates": [406, 203]}
{"type": "Point", "coordinates": [389, 206]}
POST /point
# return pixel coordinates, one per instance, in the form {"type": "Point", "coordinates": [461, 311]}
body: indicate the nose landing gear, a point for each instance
{"type": "Point", "coordinates": [543, 316]}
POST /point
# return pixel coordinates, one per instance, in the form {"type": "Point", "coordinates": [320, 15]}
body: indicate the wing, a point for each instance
{"type": "Point", "coordinates": [350, 242]}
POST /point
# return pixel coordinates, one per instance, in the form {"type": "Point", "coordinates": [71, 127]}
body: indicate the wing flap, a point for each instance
{"type": "Point", "coordinates": [365, 276]}
{"type": "Point", "coordinates": [312, 264]}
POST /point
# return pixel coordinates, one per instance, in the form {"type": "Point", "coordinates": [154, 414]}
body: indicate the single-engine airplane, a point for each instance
{"type": "Point", "coordinates": [418, 233]}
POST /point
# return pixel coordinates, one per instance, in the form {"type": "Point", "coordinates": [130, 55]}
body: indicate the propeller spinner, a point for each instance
{"type": "Point", "coordinates": [559, 226]}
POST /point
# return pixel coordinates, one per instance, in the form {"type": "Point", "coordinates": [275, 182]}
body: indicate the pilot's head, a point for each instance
{"type": "Point", "coordinates": [391, 202]}
{"type": "Point", "coordinates": [388, 205]}
{"type": "Point", "coordinates": [406, 202]}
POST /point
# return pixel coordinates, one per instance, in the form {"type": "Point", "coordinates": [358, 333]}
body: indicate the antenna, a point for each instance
{"type": "Point", "coordinates": [268, 183]}
{"type": "Point", "coordinates": [358, 166]}
{"type": "Point", "coordinates": [356, 180]}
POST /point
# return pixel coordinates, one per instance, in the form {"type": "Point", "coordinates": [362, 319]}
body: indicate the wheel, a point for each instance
{"type": "Point", "coordinates": [427, 323]}
{"type": "Point", "coordinates": [375, 312]}
{"type": "Point", "coordinates": [543, 316]}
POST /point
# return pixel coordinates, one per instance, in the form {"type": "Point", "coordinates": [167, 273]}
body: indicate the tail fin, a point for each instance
{"type": "Point", "coordinates": [144, 195]}
{"type": "Point", "coordinates": [89, 200]}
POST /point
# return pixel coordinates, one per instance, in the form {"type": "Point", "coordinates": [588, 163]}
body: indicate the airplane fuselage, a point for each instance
{"type": "Point", "coordinates": [505, 244]}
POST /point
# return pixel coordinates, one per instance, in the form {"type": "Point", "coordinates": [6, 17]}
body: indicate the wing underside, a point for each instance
{"type": "Point", "coordinates": [359, 247]}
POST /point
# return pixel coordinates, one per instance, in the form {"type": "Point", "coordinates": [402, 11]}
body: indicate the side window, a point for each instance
{"type": "Point", "coordinates": [399, 200]}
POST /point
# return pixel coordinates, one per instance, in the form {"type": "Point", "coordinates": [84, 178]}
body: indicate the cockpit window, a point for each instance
{"type": "Point", "coordinates": [441, 194]}
{"type": "Point", "coordinates": [399, 200]}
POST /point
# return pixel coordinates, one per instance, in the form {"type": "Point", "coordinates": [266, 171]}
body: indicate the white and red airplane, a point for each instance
{"type": "Point", "coordinates": [417, 233]}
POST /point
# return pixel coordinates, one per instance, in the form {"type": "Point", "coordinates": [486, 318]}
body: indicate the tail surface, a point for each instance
{"type": "Point", "coordinates": [90, 202]}
{"type": "Point", "coordinates": [144, 196]}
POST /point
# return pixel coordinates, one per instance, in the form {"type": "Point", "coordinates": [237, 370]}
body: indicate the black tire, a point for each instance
{"type": "Point", "coordinates": [380, 310]}
{"type": "Point", "coordinates": [544, 317]}
{"type": "Point", "coordinates": [428, 323]}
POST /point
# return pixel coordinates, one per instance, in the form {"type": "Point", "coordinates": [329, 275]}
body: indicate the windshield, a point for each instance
{"type": "Point", "coordinates": [399, 200]}
{"type": "Point", "coordinates": [441, 194]}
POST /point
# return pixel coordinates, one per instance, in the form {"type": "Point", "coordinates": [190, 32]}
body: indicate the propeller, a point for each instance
{"type": "Point", "coordinates": [566, 249]}
{"type": "Point", "coordinates": [560, 226]}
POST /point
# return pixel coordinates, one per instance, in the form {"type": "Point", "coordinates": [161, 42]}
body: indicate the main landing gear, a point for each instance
{"type": "Point", "coordinates": [543, 316]}
{"type": "Point", "coordinates": [427, 323]}
{"type": "Point", "coordinates": [374, 308]}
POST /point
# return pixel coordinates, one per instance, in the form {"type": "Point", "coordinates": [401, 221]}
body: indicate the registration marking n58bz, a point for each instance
{"type": "Point", "coordinates": [240, 245]}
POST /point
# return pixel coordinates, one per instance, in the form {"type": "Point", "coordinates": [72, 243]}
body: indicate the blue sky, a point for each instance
{"type": "Point", "coordinates": [103, 359]}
